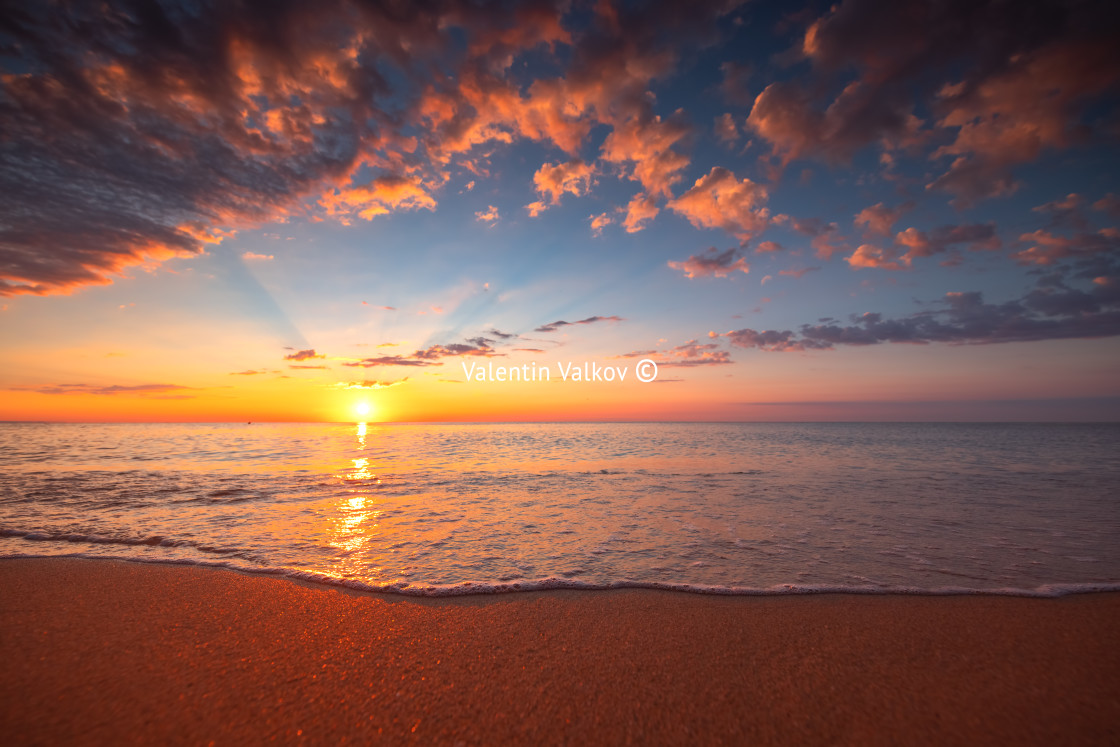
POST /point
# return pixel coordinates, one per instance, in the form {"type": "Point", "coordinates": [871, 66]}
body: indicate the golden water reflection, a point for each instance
{"type": "Point", "coordinates": [355, 520]}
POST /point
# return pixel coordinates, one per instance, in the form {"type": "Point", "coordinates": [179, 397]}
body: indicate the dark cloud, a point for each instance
{"type": "Point", "coordinates": [1065, 213]}
{"type": "Point", "coordinates": [1047, 248]}
{"type": "Point", "coordinates": [913, 243]}
{"type": "Point", "coordinates": [879, 70]}
{"type": "Point", "coordinates": [688, 355]}
{"type": "Point", "coordinates": [826, 238]}
{"type": "Point", "coordinates": [798, 273]}
{"type": "Point", "coordinates": [1050, 312]}
{"type": "Point", "coordinates": [553, 326]}
{"type": "Point", "coordinates": [1109, 204]}
{"type": "Point", "coordinates": [712, 262]}
{"type": "Point", "coordinates": [303, 355]}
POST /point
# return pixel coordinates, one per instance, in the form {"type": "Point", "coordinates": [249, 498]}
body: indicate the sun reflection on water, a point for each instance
{"type": "Point", "coordinates": [355, 522]}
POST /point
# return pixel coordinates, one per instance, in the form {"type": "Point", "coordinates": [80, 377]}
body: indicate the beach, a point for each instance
{"type": "Point", "coordinates": [102, 651]}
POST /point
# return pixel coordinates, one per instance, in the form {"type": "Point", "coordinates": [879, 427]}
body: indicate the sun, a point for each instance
{"type": "Point", "coordinates": [362, 409]}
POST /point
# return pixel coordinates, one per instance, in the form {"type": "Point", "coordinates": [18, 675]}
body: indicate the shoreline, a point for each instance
{"type": "Point", "coordinates": [1052, 590]}
{"type": "Point", "coordinates": [114, 651]}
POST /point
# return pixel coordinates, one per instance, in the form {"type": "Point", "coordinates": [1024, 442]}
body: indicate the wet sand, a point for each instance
{"type": "Point", "coordinates": [106, 652]}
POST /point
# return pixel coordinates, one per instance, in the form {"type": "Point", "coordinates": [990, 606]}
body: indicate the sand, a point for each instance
{"type": "Point", "coordinates": [106, 652]}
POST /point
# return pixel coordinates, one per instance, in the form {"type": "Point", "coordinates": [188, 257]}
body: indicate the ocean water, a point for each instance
{"type": "Point", "coordinates": [452, 509]}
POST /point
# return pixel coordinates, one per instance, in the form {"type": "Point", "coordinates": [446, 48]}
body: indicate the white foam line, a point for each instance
{"type": "Point", "coordinates": [404, 588]}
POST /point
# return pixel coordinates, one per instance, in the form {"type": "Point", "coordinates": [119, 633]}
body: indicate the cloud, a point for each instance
{"type": "Point", "coordinates": [370, 384]}
{"type": "Point", "coordinates": [489, 215]}
{"type": "Point", "coordinates": [599, 222]}
{"type": "Point", "coordinates": [303, 355]}
{"type": "Point", "coordinates": [309, 368]}
{"type": "Point", "coordinates": [867, 255]}
{"type": "Point", "coordinates": [768, 340]}
{"type": "Point", "coordinates": [712, 263]}
{"type": "Point", "coordinates": [1048, 248]}
{"type": "Point", "coordinates": [166, 132]}
{"type": "Point", "coordinates": [879, 219]}
{"type": "Point", "coordinates": [553, 326]}
{"type": "Point", "coordinates": [976, 237]}
{"type": "Point", "coordinates": [155, 391]}
{"type": "Point", "coordinates": [998, 88]}
{"type": "Point", "coordinates": [381, 196]}
{"type": "Point", "coordinates": [431, 356]}
{"type": "Point", "coordinates": [1110, 204]}
{"type": "Point", "coordinates": [641, 210]}
{"type": "Point", "coordinates": [735, 83]}
{"type": "Point", "coordinates": [826, 238]}
{"type": "Point", "coordinates": [725, 130]}
{"type": "Point", "coordinates": [390, 360]}
{"type": "Point", "coordinates": [573, 177]}
{"type": "Point", "coordinates": [912, 244]}
{"type": "Point", "coordinates": [249, 372]}
{"type": "Point", "coordinates": [1048, 312]}
{"type": "Point", "coordinates": [645, 146]}
{"type": "Point", "coordinates": [688, 355]}
{"type": "Point", "coordinates": [1040, 93]}
{"type": "Point", "coordinates": [253, 257]}
{"type": "Point", "coordinates": [1065, 213]}
{"type": "Point", "coordinates": [798, 273]}
{"type": "Point", "coordinates": [153, 131]}
{"type": "Point", "coordinates": [720, 200]}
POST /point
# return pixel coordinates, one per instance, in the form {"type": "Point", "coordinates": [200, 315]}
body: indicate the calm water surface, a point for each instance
{"type": "Point", "coordinates": [444, 509]}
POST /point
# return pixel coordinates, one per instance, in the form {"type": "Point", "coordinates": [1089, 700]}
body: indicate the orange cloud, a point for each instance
{"type": "Point", "coordinates": [719, 200]}
{"type": "Point", "coordinates": [641, 210]}
{"type": "Point", "coordinates": [573, 177]}
{"type": "Point", "coordinates": [867, 255]}
{"type": "Point", "coordinates": [599, 222]}
{"type": "Point", "coordinates": [646, 146]}
{"type": "Point", "coordinates": [381, 196]}
{"type": "Point", "coordinates": [489, 215]}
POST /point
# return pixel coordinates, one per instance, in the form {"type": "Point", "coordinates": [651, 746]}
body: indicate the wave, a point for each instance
{"type": "Point", "coordinates": [101, 539]}
{"type": "Point", "coordinates": [552, 583]}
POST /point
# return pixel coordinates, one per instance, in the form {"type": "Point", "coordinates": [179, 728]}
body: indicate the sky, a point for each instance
{"type": "Point", "coordinates": [341, 211]}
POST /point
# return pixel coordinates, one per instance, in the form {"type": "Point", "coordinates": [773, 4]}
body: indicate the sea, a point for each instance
{"type": "Point", "coordinates": [450, 509]}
